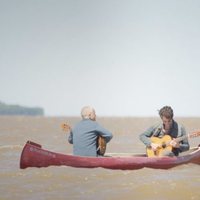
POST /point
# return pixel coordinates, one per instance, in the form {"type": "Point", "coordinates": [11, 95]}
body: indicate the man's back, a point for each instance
{"type": "Point", "coordinates": [84, 137]}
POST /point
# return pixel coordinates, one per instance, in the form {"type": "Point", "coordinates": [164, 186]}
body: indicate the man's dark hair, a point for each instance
{"type": "Point", "coordinates": [167, 112]}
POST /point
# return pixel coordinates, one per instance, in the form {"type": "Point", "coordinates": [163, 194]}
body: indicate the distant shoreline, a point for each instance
{"type": "Point", "coordinates": [17, 110]}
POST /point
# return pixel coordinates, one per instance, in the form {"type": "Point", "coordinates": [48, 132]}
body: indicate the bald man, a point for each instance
{"type": "Point", "coordinates": [85, 133]}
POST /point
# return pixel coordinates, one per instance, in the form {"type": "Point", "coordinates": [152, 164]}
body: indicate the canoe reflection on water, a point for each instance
{"type": "Point", "coordinates": [34, 156]}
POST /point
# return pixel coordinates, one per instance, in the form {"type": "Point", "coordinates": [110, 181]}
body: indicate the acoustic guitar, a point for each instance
{"type": "Point", "coordinates": [101, 145]}
{"type": "Point", "coordinates": [164, 144]}
{"type": "Point", "coordinates": [101, 142]}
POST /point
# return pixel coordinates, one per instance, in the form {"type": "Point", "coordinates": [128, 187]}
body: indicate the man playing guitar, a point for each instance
{"type": "Point", "coordinates": [88, 137]}
{"type": "Point", "coordinates": [162, 139]}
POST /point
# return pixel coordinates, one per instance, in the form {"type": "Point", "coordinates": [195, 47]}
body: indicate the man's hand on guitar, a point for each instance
{"type": "Point", "coordinates": [155, 146]}
{"type": "Point", "coordinates": [174, 144]}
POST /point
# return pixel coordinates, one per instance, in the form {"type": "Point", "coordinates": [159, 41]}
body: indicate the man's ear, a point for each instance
{"type": "Point", "coordinates": [90, 115]}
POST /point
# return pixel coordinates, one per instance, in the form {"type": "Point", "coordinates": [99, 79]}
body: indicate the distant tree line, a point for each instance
{"type": "Point", "coordinates": [19, 110]}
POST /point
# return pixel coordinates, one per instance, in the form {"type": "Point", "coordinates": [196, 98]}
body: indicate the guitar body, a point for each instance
{"type": "Point", "coordinates": [163, 146]}
{"type": "Point", "coordinates": [101, 146]}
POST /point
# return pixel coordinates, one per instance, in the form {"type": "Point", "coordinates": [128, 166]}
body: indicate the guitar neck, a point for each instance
{"type": "Point", "coordinates": [194, 134]}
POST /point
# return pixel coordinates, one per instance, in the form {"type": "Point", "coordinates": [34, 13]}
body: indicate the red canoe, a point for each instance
{"type": "Point", "coordinates": [34, 156]}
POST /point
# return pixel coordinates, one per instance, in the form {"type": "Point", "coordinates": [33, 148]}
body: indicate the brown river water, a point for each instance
{"type": "Point", "coordinates": [63, 182]}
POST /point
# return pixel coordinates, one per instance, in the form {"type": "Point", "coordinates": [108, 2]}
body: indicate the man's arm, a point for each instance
{"type": "Point", "coordinates": [184, 145]}
{"type": "Point", "coordinates": [145, 137]}
{"type": "Point", "coordinates": [70, 138]}
{"type": "Point", "coordinates": [104, 133]}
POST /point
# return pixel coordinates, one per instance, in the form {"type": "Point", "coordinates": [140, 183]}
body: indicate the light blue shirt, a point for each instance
{"type": "Point", "coordinates": [84, 137]}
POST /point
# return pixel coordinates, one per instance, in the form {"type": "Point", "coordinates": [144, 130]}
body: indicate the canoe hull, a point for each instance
{"type": "Point", "coordinates": [34, 156]}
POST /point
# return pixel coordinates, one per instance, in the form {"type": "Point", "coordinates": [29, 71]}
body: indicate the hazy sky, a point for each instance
{"type": "Point", "coordinates": [128, 57]}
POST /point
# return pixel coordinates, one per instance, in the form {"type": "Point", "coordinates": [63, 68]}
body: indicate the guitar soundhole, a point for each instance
{"type": "Point", "coordinates": [164, 145]}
